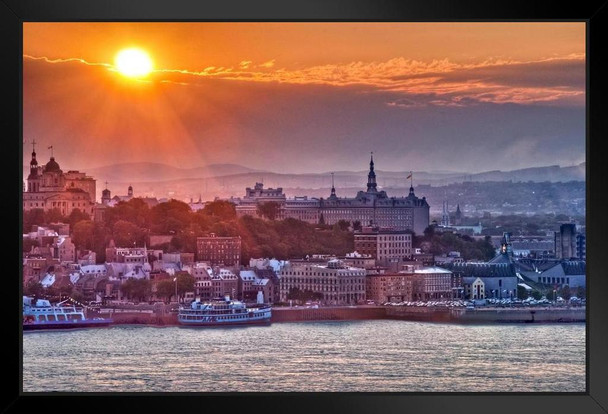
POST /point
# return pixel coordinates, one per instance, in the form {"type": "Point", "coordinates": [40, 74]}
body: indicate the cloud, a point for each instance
{"type": "Point", "coordinates": [440, 82]}
{"type": "Point", "coordinates": [268, 64]}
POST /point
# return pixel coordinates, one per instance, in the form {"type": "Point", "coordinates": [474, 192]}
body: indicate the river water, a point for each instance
{"type": "Point", "coordinates": [369, 356]}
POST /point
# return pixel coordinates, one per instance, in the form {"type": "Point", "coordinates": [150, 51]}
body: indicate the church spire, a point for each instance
{"type": "Point", "coordinates": [371, 177]}
{"type": "Point", "coordinates": [333, 189]}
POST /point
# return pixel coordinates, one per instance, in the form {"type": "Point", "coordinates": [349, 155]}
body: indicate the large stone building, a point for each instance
{"type": "Point", "coordinates": [367, 207]}
{"type": "Point", "coordinates": [384, 246]}
{"type": "Point", "coordinates": [339, 284]}
{"type": "Point", "coordinates": [48, 187]}
{"type": "Point", "coordinates": [414, 283]}
{"type": "Point", "coordinates": [224, 251]}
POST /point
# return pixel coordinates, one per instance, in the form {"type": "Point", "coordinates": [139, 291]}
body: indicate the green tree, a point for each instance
{"type": "Point", "coordinates": [165, 289]}
{"type": "Point", "coordinates": [54, 216]}
{"type": "Point", "coordinates": [33, 288]}
{"type": "Point", "coordinates": [536, 295]}
{"type": "Point", "coordinates": [565, 292]}
{"type": "Point", "coordinates": [127, 234]}
{"type": "Point", "coordinates": [34, 217]}
{"type": "Point", "coordinates": [268, 209]}
{"type": "Point", "coordinates": [343, 225]}
{"type": "Point", "coordinates": [224, 210]}
{"type": "Point", "coordinates": [522, 293]}
{"type": "Point", "coordinates": [185, 283]}
{"type": "Point", "coordinates": [83, 235]}
{"type": "Point", "coordinates": [580, 292]}
{"type": "Point", "coordinates": [77, 215]}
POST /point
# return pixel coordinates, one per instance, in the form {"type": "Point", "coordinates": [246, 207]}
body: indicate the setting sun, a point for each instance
{"type": "Point", "coordinates": [133, 63]}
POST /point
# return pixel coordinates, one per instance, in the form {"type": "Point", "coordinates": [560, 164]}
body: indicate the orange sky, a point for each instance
{"type": "Point", "coordinates": [220, 89]}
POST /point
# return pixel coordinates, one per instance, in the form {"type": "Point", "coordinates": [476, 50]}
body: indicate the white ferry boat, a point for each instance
{"type": "Point", "coordinates": [223, 312]}
{"type": "Point", "coordinates": [40, 314]}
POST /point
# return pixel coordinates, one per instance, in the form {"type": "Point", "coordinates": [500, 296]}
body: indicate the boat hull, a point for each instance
{"type": "Point", "coordinates": [37, 326]}
{"type": "Point", "coordinates": [224, 324]}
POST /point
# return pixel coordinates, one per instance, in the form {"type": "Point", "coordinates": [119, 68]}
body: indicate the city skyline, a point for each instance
{"type": "Point", "coordinates": [465, 97]}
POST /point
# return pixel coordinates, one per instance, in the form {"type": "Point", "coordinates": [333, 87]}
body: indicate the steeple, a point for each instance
{"type": "Point", "coordinates": [411, 177]}
{"type": "Point", "coordinates": [333, 189]}
{"type": "Point", "coordinates": [33, 162]}
{"type": "Point", "coordinates": [105, 195]}
{"type": "Point", "coordinates": [371, 177]}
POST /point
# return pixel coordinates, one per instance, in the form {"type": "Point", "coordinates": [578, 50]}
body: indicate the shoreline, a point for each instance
{"type": "Point", "coordinates": [459, 316]}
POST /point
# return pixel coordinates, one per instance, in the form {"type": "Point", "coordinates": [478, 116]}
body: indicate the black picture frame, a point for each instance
{"type": "Point", "coordinates": [595, 13]}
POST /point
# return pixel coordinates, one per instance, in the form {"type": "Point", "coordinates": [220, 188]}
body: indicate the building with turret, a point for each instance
{"type": "Point", "coordinates": [48, 187]}
{"type": "Point", "coordinates": [370, 207]}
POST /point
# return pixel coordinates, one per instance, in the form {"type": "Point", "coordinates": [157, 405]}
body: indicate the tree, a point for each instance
{"type": "Point", "coordinates": [580, 292]}
{"type": "Point", "coordinates": [268, 209]}
{"type": "Point", "coordinates": [343, 225]}
{"type": "Point", "coordinates": [76, 215]}
{"type": "Point", "coordinates": [224, 210]}
{"type": "Point", "coordinates": [522, 293]}
{"type": "Point", "coordinates": [34, 217]}
{"type": "Point", "coordinates": [33, 288]}
{"type": "Point", "coordinates": [357, 225]}
{"type": "Point", "coordinates": [536, 294]}
{"type": "Point", "coordinates": [565, 292]}
{"type": "Point", "coordinates": [429, 232]}
{"type": "Point", "coordinates": [321, 219]}
{"type": "Point", "coordinates": [53, 216]}
{"type": "Point", "coordinates": [127, 234]}
{"type": "Point", "coordinates": [165, 289]}
{"type": "Point", "coordinates": [83, 234]}
{"type": "Point", "coordinates": [185, 283]}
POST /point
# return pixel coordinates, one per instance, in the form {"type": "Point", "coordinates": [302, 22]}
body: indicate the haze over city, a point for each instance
{"type": "Point", "coordinates": [308, 97]}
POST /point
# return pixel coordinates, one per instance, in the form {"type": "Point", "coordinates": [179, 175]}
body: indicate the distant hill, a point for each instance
{"type": "Point", "coordinates": [161, 180]}
{"type": "Point", "coordinates": [148, 171]}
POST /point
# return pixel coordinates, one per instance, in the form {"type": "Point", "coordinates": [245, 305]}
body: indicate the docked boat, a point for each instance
{"type": "Point", "coordinates": [40, 314]}
{"type": "Point", "coordinates": [223, 312]}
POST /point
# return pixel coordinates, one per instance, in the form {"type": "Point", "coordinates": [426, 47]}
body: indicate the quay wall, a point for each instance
{"type": "Point", "coordinates": [488, 315]}
{"type": "Point", "coordinates": [422, 314]}
{"type": "Point", "coordinates": [327, 314]}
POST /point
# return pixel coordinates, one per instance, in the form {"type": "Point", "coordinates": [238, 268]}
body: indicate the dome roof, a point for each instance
{"type": "Point", "coordinates": [52, 166]}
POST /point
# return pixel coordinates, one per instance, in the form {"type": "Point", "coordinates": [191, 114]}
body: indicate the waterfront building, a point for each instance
{"type": "Point", "coordinates": [370, 206]}
{"type": "Point", "coordinates": [567, 272]}
{"type": "Point", "coordinates": [474, 288]}
{"type": "Point", "coordinates": [384, 246]}
{"type": "Point", "coordinates": [414, 283]}
{"type": "Point", "coordinates": [224, 282]}
{"type": "Point", "coordinates": [499, 279]}
{"type": "Point", "coordinates": [48, 187]}
{"type": "Point", "coordinates": [250, 283]}
{"type": "Point", "coordinates": [338, 283]}
{"type": "Point", "coordinates": [224, 251]}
